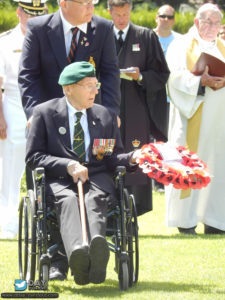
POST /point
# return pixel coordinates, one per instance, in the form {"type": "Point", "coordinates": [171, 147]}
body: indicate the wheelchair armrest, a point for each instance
{"type": "Point", "coordinates": [119, 175]}
{"type": "Point", "coordinates": [120, 170]}
{"type": "Point", "coordinates": [38, 173]}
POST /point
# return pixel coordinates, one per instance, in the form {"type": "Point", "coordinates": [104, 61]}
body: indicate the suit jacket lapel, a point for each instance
{"type": "Point", "coordinates": [57, 41]}
{"type": "Point", "coordinates": [94, 128]}
{"type": "Point", "coordinates": [85, 42]}
{"type": "Point", "coordinates": [62, 124]}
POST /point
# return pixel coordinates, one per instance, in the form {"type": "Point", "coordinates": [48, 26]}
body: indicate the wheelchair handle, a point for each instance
{"type": "Point", "coordinates": [82, 211]}
{"type": "Point", "coordinates": [39, 172]}
{"type": "Point", "coordinates": [121, 170]}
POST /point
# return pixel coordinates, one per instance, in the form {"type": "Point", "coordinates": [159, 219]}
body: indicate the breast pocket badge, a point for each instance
{"type": "Point", "coordinates": [103, 147]}
{"type": "Point", "coordinates": [136, 47]}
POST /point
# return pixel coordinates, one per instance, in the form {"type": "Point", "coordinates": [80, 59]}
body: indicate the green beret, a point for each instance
{"type": "Point", "coordinates": [75, 72]}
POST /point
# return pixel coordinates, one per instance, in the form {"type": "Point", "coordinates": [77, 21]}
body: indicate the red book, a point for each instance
{"type": "Point", "coordinates": [216, 66]}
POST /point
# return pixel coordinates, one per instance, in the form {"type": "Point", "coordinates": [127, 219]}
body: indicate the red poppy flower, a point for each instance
{"type": "Point", "coordinates": [188, 172]}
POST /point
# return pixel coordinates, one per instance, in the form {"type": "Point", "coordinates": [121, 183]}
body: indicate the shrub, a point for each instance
{"type": "Point", "coordinates": [142, 14]}
{"type": "Point", "coordinates": [8, 19]}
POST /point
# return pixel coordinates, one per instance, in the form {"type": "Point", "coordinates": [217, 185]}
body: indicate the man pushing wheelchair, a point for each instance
{"type": "Point", "coordinates": [74, 140]}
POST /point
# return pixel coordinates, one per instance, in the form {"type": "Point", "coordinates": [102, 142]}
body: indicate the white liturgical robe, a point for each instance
{"type": "Point", "coordinates": [208, 204]}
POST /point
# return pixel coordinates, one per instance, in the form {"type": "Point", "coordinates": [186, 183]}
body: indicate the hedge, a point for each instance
{"type": "Point", "coordinates": [141, 15]}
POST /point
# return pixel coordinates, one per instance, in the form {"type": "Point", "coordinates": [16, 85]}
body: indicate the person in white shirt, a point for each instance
{"type": "Point", "coordinates": [12, 119]}
{"type": "Point", "coordinates": [165, 20]}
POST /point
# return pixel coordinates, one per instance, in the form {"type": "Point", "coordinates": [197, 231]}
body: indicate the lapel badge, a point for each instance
{"type": "Point", "coordinates": [91, 61]}
{"type": "Point", "coordinates": [17, 50]}
{"type": "Point", "coordinates": [136, 143]}
{"type": "Point", "coordinates": [62, 130]}
{"type": "Point", "coordinates": [84, 39]}
{"type": "Point", "coordinates": [136, 47]}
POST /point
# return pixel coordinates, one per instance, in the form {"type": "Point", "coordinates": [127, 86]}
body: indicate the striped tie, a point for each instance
{"type": "Point", "coordinates": [78, 141]}
{"type": "Point", "coordinates": [73, 46]}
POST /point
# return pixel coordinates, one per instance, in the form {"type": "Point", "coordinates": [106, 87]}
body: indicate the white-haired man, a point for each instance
{"type": "Point", "coordinates": [197, 120]}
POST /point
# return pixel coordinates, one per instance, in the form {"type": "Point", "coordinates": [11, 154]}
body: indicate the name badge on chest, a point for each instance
{"type": "Point", "coordinates": [136, 47]}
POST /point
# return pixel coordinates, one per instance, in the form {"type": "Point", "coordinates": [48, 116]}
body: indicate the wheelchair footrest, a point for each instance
{"type": "Point", "coordinates": [53, 250]}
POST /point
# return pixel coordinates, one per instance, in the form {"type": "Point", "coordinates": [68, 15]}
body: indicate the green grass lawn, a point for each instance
{"type": "Point", "coordinates": [172, 266]}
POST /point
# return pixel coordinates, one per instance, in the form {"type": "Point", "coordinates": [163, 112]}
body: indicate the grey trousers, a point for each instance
{"type": "Point", "coordinates": [67, 210]}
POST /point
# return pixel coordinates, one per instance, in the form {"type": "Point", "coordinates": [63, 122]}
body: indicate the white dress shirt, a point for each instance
{"type": "Point", "coordinates": [125, 30]}
{"type": "Point", "coordinates": [84, 125]}
{"type": "Point", "coordinates": [68, 33]}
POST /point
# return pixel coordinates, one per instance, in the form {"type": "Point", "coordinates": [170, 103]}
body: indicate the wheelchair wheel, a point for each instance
{"type": "Point", "coordinates": [27, 237]}
{"type": "Point", "coordinates": [123, 276]}
{"type": "Point", "coordinates": [132, 237]}
{"type": "Point", "coordinates": [135, 241]}
{"type": "Point", "coordinates": [129, 233]}
{"type": "Point", "coordinates": [124, 259]}
{"type": "Point", "coordinates": [44, 275]}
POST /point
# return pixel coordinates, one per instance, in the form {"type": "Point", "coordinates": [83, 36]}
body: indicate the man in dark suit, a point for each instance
{"type": "Point", "coordinates": [46, 50]}
{"type": "Point", "coordinates": [143, 93]}
{"type": "Point", "coordinates": [64, 138]}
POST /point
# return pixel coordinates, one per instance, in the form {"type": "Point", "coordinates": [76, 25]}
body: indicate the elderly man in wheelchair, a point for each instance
{"type": "Point", "coordinates": [77, 141]}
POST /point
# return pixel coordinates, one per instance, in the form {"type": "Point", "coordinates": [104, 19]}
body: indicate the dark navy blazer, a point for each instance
{"type": "Point", "coordinates": [44, 57]}
{"type": "Point", "coordinates": [50, 147]}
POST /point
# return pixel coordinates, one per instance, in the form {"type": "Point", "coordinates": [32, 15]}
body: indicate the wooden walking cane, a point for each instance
{"type": "Point", "coordinates": [82, 212]}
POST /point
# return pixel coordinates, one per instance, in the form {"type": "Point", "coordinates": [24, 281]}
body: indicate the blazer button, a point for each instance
{"type": "Point", "coordinates": [61, 177]}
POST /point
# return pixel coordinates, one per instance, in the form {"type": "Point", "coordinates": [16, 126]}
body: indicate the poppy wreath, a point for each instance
{"type": "Point", "coordinates": [187, 172]}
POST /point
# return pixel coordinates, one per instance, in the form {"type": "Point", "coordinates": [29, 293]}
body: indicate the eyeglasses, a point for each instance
{"type": "Point", "coordinates": [209, 23]}
{"type": "Point", "coordinates": [166, 16]}
{"type": "Point", "coordinates": [85, 3]}
{"type": "Point", "coordinates": [91, 86]}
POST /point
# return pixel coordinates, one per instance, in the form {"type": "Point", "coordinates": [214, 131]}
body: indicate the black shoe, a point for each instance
{"type": "Point", "coordinates": [57, 271]}
{"type": "Point", "coordinates": [212, 230]}
{"type": "Point", "coordinates": [187, 230]}
{"type": "Point", "coordinates": [79, 263]}
{"type": "Point", "coordinates": [99, 255]}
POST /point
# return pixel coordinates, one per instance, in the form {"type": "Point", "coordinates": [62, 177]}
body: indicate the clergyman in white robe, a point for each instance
{"type": "Point", "coordinates": [207, 205]}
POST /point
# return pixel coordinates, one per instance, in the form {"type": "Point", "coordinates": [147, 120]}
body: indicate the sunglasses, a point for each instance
{"type": "Point", "coordinates": [166, 16]}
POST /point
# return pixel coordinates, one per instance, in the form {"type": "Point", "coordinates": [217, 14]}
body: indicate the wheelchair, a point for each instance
{"type": "Point", "coordinates": [35, 220]}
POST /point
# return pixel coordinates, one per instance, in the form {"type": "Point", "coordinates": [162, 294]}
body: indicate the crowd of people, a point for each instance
{"type": "Point", "coordinates": [51, 69]}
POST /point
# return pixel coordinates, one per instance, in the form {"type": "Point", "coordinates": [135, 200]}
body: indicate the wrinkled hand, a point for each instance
{"type": "Point", "coordinates": [29, 122]}
{"type": "Point", "coordinates": [77, 171]}
{"type": "Point", "coordinates": [3, 127]}
{"type": "Point", "coordinates": [118, 122]}
{"type": "Point", "coordinates": [213, 82]}
{"type": "Point", "coordinates": [135, 75]}
{"type": "Point", "coordinates": [134, 158]}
